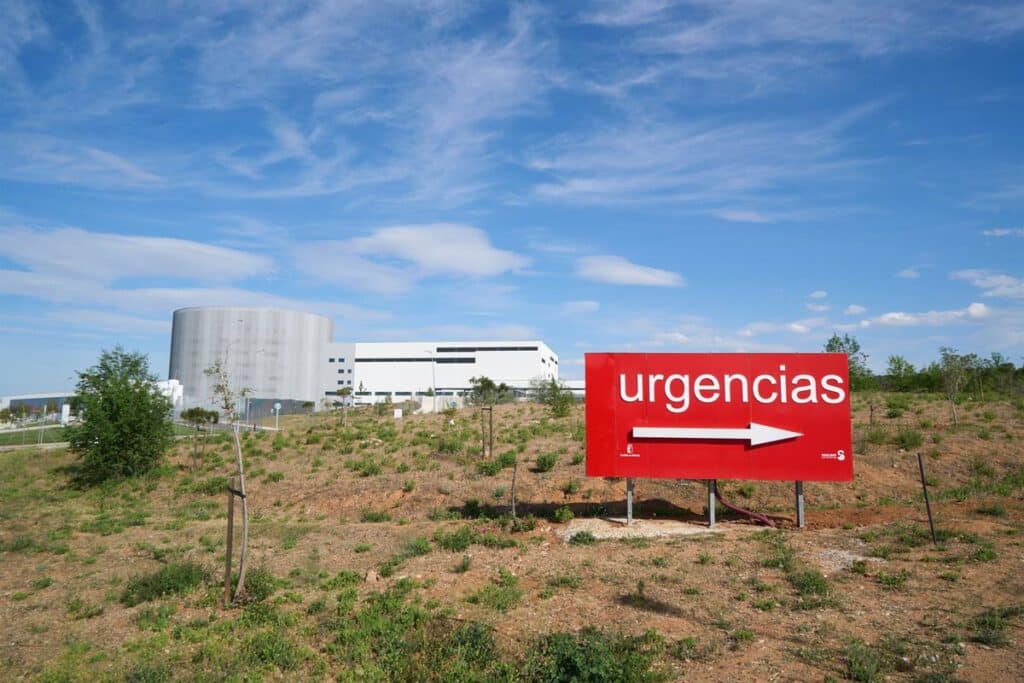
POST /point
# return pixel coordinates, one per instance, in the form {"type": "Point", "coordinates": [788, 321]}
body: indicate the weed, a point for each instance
{"type": "Point", "coordinates": [862, 662]}
{"type": "Point", "coordinates": [272, 649]}
{"type": "Point", "coordinates": [463, 566]}
{"type": "Point", "coordinates": [172, 579]}
{"type": "Point", "coordinates": [80, 609]}
{"type": "Point", "coordinates": [362, 548]}
{"type": "Point", "coordinates": [565, 581]}
{"type": "Point", "coordinates": [154, 618]}
{"type": "Point", "coordinates": [41, 583]}
{"type": "Point", "coordinates": [582, 538]}
{"type": "Point", "coordinates": [893, 581]}
{"type": "Point", "coordinates": [989, 627]}
{"type": "Point", "coordinates": [908, 439]}
{"type": "Point", "coordinates": [409, 485]}
{"type": "Point", "coordinates": [500, 595]}
{"type": "Point", "coordinates": [374, 516]}
{"type": "Point", "coordinates": [994, 510]}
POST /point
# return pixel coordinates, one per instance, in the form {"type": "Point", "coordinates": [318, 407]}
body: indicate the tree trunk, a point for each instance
{"type": "Point", "coordinates": [952, 407]}
{"type": "Point", "coordinates": [244, 552]}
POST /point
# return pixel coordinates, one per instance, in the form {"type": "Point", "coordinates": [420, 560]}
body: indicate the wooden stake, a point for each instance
{"type": "Point", "coordinates": [230, 543]}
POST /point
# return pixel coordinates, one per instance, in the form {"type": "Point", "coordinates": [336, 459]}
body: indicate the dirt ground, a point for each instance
{"type": "Point", "coordinates": [860, 594]}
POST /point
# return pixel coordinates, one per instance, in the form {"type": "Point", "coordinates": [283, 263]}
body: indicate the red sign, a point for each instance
{"type": "Point", "coordinates": [719, 416]}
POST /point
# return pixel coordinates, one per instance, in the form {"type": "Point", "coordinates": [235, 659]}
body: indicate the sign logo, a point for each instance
{"type": "Point", "coordinates": [719, 416]}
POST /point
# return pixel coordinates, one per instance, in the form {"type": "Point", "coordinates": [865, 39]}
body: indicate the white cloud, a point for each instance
{"type": "Point", "coordinates": [817, 294]}
{"type": "Point", "coordinates": [741, 216]}
{"type": "Point", "coordinates": [1004, 232]}
{"type": "Point", "coordinates": [585, 306]}
{"type": "Point", "coordinates": [391, 259]}
{"type": "Point", "coordinates": [973, 312]}
{"type": "Point", "coordinates": [59, 289]}
{"type": "Point", "coordinates": [619, 271]}
{"type": "Point", "coordinates": [804, 326]}
{"type": "Point", "coordinates": [109, 257]}
{"type": "Point", "coordinates": [854, 309]}
{"type": "Point", "coordinates": [994, 284]}
{"type": "Point", "coordinates": [111, 322]}
{"type": "Point", "coordinates": [818, 308]}
{"type": "Point", "coordinates": [909, 273]}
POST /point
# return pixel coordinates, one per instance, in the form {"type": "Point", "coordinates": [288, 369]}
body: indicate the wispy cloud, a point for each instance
{"type": "Point", "coordinates": [578, 307]}
{"type": "Point", "coordinates": [973, 312]}
{"type": "Point", "coordinates": [620, 271]}
{"type": "Point", "coordinates": [804, 326]}
{"type": "Point", "coordinates": [995, 284]}
{"type": "Point", "coordinates": [911, 273]}
{"type": "Point", "coordinates": [108, 257]}
{"type": "Point", "coordinates": [817, 294]}
{"type": "Point", "coordinates": [854, 309]}
{"type": "Point", "coordinates": [391, 259]}
{"type": "Point", "coordinates": [1004, 232]}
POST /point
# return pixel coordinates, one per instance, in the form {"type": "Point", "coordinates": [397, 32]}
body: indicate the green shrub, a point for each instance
{"type": "Point", "coordinates": [582, 538]}
{"type": "Point", "coordinates": [862, 663]}
{"type": "Point", "coordinates": [125, 427]}
{"type": "Point", "coordinates": [563, 515]}
{"type": "Point", "coordinates": [908, 439]}
{"type": "Point", "coordinates": [893, 581]}
{"type": "Point", "coordinates": [546, 462]}
{"type": "Point", "coordinates": [570, 487]}
{"type": "Point", "coordinates": [455, 541]}
{"type": "Point", "coordinates": [809, 582]}
{"type": "Point", "coordinates": [501, 595]}
{"type": "Point", "coordinates": [172, 579]}
{"type": "Point", "coordinates": [260, 584]}
{"type": "Point", "coordinates": [272, 649]}
{"type": "Point", "coordinates": [594, 656]}
{"type": "Point", "coordinates": [374, 516]}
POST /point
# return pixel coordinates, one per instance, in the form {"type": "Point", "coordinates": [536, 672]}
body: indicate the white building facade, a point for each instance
{"type": "Point", "coordinates": [290, 357]}
{"type": "Point", "coordinates": [397, 371]}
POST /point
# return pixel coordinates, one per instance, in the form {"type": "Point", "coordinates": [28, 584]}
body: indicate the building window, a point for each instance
{"type": "Point", "coordinates": [341, 371]}
{"type": "Point", "coordinates": [350, 371]}
{"type": "Point", "coordinates": [456, 360]}
{"type": "Point", "coordinates": [340, 381]}
{"type": "Point", "coordinates": [341, 360]}
{"type": "Point", "coordinates": [330, 360]}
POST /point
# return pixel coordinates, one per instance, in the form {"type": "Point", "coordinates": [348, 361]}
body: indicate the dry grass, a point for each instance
{"type": "Point", "coordinates": [342, 514]}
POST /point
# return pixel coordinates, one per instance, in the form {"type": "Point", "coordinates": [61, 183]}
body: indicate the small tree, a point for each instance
{"type": "Point", "coordinates": [227, 397]}
{"type": "Point", "coordinates": [954, 374]}
{"type": "Point", "coordinates": [200, 419]}
{"type": "Point", "coordinates": [486, 392]}
{"type": "Point", "coordinates": [125, 426]}
{"type": "Point", "coordinates": [346, 396]}
{"type": "Point", "coordinates": [860, 376]}
{"type": "Point", "coordinates": [900, 374]}
{"type": "Point", "coordinates": [554, 395]}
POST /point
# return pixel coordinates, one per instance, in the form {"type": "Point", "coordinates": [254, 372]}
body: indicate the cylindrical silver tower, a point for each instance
{"type": "Point", "coordinates": [275, 354]}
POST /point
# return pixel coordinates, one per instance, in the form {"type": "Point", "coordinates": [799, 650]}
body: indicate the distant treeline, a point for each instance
{"type": "Point", "coordinates": [952, 372]}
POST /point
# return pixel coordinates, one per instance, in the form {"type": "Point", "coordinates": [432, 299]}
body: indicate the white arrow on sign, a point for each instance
{"type": "Point", "coordinates": [756, 434]}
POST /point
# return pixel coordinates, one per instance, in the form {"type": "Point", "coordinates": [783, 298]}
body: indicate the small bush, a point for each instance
{"type": "Point", "coordinates": [908, 439]}
{"type": "Point", "coordinates": [546, 462]}
{"type": "Point", "coordinates": [592, 655]}
{"type": "Point", "coordinates": [570, 487]}
{"type": "Point", "coordinates": [455, 541]}
{"type": "Point", "coordinates": [374, 516]}
{"type": "Point", "coordinates": [563, 515]}
{"type": "Point", "coordinates": [893, 581]}
{"type": "Point", "coordinates": [172, 579]}
{"type": "Point", "coordinates": [862, 663]}
{"type": "Point", "coordinates": [582, 538]}
{"type": "Point", "coordinates": [809, 582]}
{"type": "Point", "coordinates": [270, 648]}
{"type": "Point", "coordinates": [501, 595]}
{"type": "Point", "coordinates": [260, 584]}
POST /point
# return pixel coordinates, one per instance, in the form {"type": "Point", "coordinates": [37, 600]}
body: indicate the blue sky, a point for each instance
{"type": "Point", "coordinates": [647, 175]}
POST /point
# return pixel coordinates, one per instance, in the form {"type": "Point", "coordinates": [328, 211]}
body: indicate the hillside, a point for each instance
{"type": "Point", "coordinates": [384, 551]}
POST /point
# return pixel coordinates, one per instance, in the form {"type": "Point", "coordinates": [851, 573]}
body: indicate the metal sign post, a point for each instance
{"type": "Point", "coordinates": [712, 490]}
{"type": "Point", "coordinates": [800, 505]}
{"type": "Point", "coordinates": [629, 501]}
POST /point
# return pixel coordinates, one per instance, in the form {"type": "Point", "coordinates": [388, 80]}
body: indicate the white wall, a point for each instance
{"type": "Point", "coordinates": [415, 367]}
